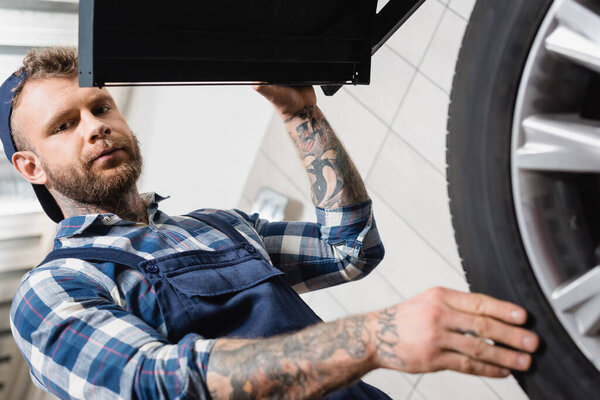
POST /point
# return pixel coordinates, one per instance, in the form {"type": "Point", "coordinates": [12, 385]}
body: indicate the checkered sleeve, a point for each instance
{"type": "Point", "coordinates": [343, 245]}
{"type": "Point", "coordinates": [80, 343]}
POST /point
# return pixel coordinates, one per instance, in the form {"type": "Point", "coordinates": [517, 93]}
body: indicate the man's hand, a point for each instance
{"type": "Point", "coordinates": [288, 100]}
{"type": "Point", "coordinates": [445, 329]}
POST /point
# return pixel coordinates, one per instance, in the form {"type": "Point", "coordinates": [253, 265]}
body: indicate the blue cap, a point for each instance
{"type": "Point", "coordinates": [7, 89]}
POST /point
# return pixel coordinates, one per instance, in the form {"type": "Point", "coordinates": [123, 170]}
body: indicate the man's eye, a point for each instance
{"type": "Point", "coordinates": [63, 127]}
{"type": "Point", "coordinates": [101, 110]}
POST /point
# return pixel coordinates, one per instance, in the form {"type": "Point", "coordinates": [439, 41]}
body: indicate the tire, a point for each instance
{"type": "Point", "coordinates": [489, 72]}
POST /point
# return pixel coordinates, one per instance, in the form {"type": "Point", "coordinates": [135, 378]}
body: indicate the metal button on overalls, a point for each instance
{"type": "Point", "coordinates": [222, 293]}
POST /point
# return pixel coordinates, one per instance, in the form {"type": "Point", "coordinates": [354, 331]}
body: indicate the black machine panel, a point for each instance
{"type": "Point", "coordinates": [292, 42]}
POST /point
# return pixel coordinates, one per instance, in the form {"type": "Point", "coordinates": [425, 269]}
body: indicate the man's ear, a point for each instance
{"type": "Point", "coordinates": [29, 166]}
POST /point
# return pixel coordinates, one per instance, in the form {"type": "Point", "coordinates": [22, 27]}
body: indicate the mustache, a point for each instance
{"type": "Point", "coordinates": [104, 146]}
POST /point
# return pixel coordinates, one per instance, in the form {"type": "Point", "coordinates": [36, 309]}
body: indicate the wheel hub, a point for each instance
{"type": "Point", "coordinates": [555, 166]}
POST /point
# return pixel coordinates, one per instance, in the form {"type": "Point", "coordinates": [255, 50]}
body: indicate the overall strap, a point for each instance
{"type": "Point", "coordinates": [96, 254]}
{"type": "Point", "coordinates": [220, 225]}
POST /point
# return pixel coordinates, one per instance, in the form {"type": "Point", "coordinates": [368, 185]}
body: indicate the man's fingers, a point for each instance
{"type": "Point", "coordinates": [480, 350]}
{"type": "Point", "coordinates": [476, 303]}
{"type": "Point", "coordinates": [461, 363]}
{"type": "Point", "coordinates": [267, 91]}
{"type": "Point", "coordinates": [490, 328]}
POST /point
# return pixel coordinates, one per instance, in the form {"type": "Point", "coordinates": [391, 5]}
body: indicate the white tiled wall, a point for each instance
{"type": "Point", "coordinates": [395, 131]}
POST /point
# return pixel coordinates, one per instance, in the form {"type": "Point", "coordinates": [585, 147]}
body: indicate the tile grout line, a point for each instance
{"type": "Point", "coordinates": [390, 129]}
{"type": "Point", "coordinates": [453, 11]}
{"type": "Point", "coordinates": [491, 388]}
{"type": "Point", "coordinates": [366, 107]}
{"type": "Point", "coordinates": [440, 172]}
{"type": "Point", "coordinates": [396, 53]}
{"type": "Point", "coordinates": [435, 31]}
{"type": "Point", "coordinates": [443, 174]}
{"type": "Point", "coordinates": [435, 250]}
{"type": "Point", "coordinates": [414, 388]}
{"type": "Point", "coordinates": [428, 48]}
{"type": "Point", "coordinates": [388, 284]}
{"type": "Point", "coordinates": [434, 83]}
{"type": "Point", "coordinates": [417, 67]}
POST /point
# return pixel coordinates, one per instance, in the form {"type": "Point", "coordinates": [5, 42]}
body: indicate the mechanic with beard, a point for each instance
{"type": "Point", "coordinates": [134, 303]}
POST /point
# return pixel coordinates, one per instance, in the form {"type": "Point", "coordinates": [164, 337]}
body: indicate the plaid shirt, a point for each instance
{"type": "Point", "coordinates": [94, 330]}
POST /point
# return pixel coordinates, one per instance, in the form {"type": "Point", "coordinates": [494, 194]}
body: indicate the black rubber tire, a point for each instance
{"type": "Point", "coordinates": [494, 51]}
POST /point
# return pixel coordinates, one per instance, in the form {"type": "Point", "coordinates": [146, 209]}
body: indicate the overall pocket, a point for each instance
{"type": "Point", "coordinates": [242, 300]}
{"type": "Point", "coordinates": [220, 280]}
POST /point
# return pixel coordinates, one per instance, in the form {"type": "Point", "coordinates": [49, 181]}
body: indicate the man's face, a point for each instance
{"type": "Point", "coordinates": [83, 143]}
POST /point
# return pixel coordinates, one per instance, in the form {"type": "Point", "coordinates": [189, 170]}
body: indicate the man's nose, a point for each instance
{"type": "Point", "coordinates": [94, 128]}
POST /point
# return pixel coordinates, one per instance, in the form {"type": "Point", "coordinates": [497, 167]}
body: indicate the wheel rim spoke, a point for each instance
{"type": "Point", "coordinates": [588, 317]}
{"type": "Point", "coordinates": [582, 298]}
{"type": "Point", "coordinates": [579, 19]}
{"type": "Point", "coordinates": [577, 36]}
{"type": "Point", "coordinates": [559, 143]}
{"type": "Point", "coordinates": [575, 47]}
{"type": "Point", "coordinates": [577, 291]}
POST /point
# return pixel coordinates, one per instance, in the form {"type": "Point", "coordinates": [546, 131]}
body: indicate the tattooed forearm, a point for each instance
{"type": "Point", "coordinates": [335, 182]}
{"type": "Point", "coordinates": [307, 364]}
{"type": "Point", "coordinates": [387, 337]}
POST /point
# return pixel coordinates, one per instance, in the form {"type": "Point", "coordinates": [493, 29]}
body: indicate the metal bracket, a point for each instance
{"type": "Point", "coordinates": [386, 23]}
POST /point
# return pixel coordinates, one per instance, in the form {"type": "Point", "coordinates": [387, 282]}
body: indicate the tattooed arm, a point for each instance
{"type": "Point", "coordinates": [335, 182]}
{"type": "Point", "coordinates": [306, 364]}
{"type": "Point", "coordinates": [423, 334]}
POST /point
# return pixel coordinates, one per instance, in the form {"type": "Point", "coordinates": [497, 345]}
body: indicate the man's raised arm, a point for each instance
{"type": "Point", "coordinates": [335, 182]}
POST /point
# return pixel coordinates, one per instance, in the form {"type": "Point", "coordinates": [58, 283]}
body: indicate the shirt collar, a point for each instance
{"type": "Point", "coordinates": [79, 224]}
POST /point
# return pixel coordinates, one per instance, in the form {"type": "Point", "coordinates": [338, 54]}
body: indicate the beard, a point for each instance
{"type": "Point", "coordinates": [80, 183]}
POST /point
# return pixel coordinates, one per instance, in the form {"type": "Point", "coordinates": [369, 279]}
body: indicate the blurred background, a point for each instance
{"type": "Point", "coordinates": [218, 147]}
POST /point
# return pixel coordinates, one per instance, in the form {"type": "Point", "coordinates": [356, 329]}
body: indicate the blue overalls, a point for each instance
{"type": "Point", "coordinates": [232, 292]}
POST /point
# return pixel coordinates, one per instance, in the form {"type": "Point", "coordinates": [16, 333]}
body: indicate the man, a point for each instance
{"type": "Point", "coordinates": [133, 303]}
